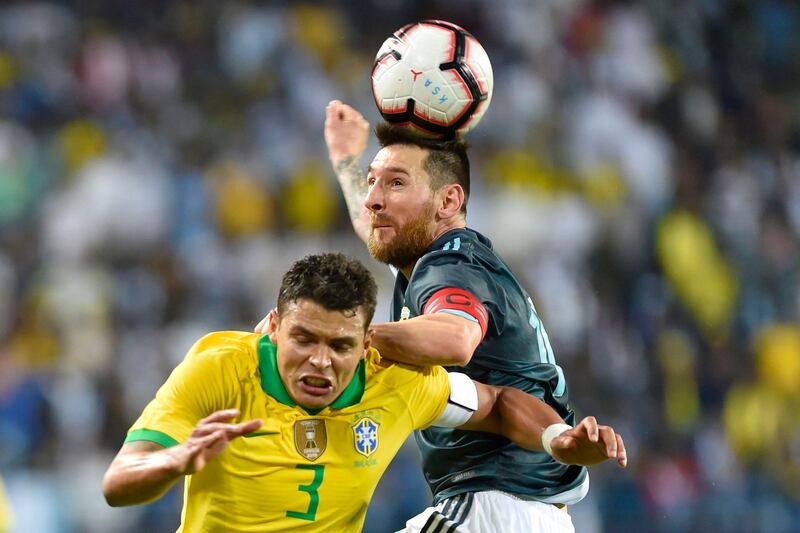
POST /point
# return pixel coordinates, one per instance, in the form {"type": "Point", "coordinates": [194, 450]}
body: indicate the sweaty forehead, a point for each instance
{"type": "Point", "coordinates": [400, 156]}
{"type": "Point", "coordinates": [313, 317]}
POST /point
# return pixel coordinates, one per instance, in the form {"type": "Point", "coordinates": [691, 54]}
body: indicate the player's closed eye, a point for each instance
{"type": "Point", "coordinates": [342, 347]}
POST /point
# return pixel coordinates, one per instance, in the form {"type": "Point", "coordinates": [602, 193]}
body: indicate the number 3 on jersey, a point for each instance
{"type": "Point", "coordinates": [545, 350]}
{"type": "Point", "coordinates": [311, 513]}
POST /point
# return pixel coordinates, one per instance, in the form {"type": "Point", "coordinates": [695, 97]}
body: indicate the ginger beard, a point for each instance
{"type": "Point", "coordinates": [410, 241]}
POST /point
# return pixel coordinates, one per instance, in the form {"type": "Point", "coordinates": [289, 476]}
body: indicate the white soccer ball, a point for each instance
{"type": "Point", "coordinates": [432, 76]}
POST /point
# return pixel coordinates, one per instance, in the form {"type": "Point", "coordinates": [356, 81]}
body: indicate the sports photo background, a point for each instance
{"type": "Point", "coordinates": [163, 163]}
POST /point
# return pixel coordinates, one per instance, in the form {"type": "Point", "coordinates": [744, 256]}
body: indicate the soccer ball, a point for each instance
{"type": "Point", "coordinates": [432, 76]}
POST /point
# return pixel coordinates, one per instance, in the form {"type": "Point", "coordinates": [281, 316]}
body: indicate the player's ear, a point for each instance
{"type": "Point", "coordinates": [368, 341]}
{"type": "Point", "coordinates": [273, 321]}
{"type": "Point", "coordinates": [451, 198]}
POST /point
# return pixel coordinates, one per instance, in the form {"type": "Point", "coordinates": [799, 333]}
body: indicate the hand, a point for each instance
{"type": "Point", "coordinates": [346, 131]}
{"type": "Point", "coordinates": [263, 326]}
{"type": "Point", "coordinates": [211, 436]}
{"type": "Point", "coordinates": [589, 443]}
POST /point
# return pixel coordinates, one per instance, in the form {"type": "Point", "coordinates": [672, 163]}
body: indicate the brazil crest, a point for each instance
{"type": "Point", "coordinates": [365, 433]}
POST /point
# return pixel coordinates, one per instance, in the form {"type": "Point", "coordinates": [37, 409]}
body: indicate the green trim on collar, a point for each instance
{"type": "Point", "coordinates": [273, 385]}
{"type": "Point", "coordinates": [270, 378]}
{"type": "Point", "coordinates": [151, 435]}
{"type": "Point", "coordinates": [352, 394]}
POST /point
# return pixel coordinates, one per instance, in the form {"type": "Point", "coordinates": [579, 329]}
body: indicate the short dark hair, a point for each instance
{"type": "Point", "coordinates": [331, 280]}
{"type": "Point", "coordinates": [447, 161]}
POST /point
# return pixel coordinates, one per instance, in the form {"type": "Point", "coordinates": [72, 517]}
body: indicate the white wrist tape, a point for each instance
{"type": "Point", "coordinates": [552, 431]}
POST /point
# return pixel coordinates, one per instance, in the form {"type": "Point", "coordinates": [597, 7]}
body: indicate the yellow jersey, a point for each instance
{"type": "Point", "coordinates": [301, 471]}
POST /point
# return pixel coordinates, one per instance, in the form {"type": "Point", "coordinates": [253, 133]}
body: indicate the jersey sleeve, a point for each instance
{"type": "Point", "coordinates": [447, 285]}
{"type": "Point", "coordinates": [201, 384]}
{"type": "Point", "coordinates": [428, 396]}
{"type": "Point", "coordinates": [462, 402]}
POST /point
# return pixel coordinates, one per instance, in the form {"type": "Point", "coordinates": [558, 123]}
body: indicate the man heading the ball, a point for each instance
{"type": "Point", "coordinates": [457, 304]}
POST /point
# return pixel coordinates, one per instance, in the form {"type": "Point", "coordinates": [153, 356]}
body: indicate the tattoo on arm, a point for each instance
{"type": "Point", "coordinates": [353, 184]}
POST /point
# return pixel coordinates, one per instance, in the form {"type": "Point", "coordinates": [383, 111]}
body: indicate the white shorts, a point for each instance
{"type": "Point", "coordinates": [490, 512]}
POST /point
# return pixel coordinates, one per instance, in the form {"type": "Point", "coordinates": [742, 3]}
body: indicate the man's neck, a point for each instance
{"type": "Point", "coordinates": [460, 223]}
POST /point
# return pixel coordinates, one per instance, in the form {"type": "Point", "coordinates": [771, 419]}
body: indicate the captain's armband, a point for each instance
{"type": "Point", "coordinates": [458, 302]}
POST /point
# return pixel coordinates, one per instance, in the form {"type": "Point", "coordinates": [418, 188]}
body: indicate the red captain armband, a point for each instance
{"type": "Point", "coordinates": [458, 302]}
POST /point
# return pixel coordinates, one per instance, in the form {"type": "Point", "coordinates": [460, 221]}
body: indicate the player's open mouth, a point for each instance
{"type": "Point", "coordinates": [316, 386]}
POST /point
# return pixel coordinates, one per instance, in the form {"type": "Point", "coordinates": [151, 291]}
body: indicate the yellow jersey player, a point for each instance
{"type": "Point", "coordinates": [292, 430]}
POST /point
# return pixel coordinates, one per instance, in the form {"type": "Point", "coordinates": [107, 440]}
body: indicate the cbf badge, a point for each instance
{"type": "Point", "coordinates": [365, 432]}
{"type": "Point", "coordinates": [310, 438]}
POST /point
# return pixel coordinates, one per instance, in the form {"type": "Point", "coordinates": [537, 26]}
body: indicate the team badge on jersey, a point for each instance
{"type": "Point", "coordinates": [365, 432]}
{"type": "Point", "coordinates": [310, 438]}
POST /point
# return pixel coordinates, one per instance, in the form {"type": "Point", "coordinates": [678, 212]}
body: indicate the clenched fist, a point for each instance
{"type": "Point", "coordinates": [346, 131]}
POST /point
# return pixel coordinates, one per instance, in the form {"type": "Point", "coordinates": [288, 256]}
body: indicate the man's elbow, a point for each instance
{"type": "Point", "coordinates": [111, 490]}
{"type": "Point", "coordinates": [464, 346]}
{"type": "Point", "coordinates": [459, 358]}
{"type": "Point", "coordinates": [112, 499]}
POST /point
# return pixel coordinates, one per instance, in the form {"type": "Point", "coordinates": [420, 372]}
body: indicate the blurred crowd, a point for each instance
{"type": "Point", "coordinates": [162, 164]}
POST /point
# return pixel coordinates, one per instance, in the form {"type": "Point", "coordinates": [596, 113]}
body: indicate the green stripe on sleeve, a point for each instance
{"type": "Point", "coordinates": [153, 436]}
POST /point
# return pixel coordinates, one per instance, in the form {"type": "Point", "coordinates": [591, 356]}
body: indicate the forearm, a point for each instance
{"type": "Point", "coordinates": [354, 188]}
{"type": "Point", "coordinates": [141, 477]}
{"type": "Point", "coordinates": [427, 340]}
{"type": "Point", "coordinates": [518, 416]}
{"type": "Point", "coordinates": [524, 417]}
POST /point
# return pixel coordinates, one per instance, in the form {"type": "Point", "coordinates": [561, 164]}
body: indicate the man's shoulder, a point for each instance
{"type": "Point", "coordinates": [394, 375]}
{"type": "Point", "coordinates": [470, 264]}
{"type": "Point", "coordinates": [227, 341]}
{"type": "Point", "coordinates": [451, 265]}
{"type": "Point", "coordinates": [227, 348]}
{"type": "Point", "coordinates": [458, 246]}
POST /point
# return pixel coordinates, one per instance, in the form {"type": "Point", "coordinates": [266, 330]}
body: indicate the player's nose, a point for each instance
{"type": "Point", "coordinates": [320, 358]}
{"type": "Point", "coordinates": [375, 200]}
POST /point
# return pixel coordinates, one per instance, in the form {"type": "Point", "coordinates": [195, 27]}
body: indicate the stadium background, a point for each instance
{"type": "Point", "coordinates": [161, 164]}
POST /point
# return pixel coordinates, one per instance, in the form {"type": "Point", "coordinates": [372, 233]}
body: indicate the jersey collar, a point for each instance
{"type": "Point", "coordinates": [273, 385]}
{"type": "Point", "coordinates": [444, 238]}
{"type": "Point", "coordinates": [457, 237]}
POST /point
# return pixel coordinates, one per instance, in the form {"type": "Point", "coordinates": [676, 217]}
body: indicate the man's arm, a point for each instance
{"type": "Point", "coordinates": [530, 423]}
{"type": "Point", "coordinates": [436, 339]}
{"type": "Point", "coordinates": [346, 133]}
{"type": "Point", "coordinates": [143, 471]}
{"type": "Point", "coordinates": [426, 340]}
{"type": "Point", "coordinates": [452, 324]}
